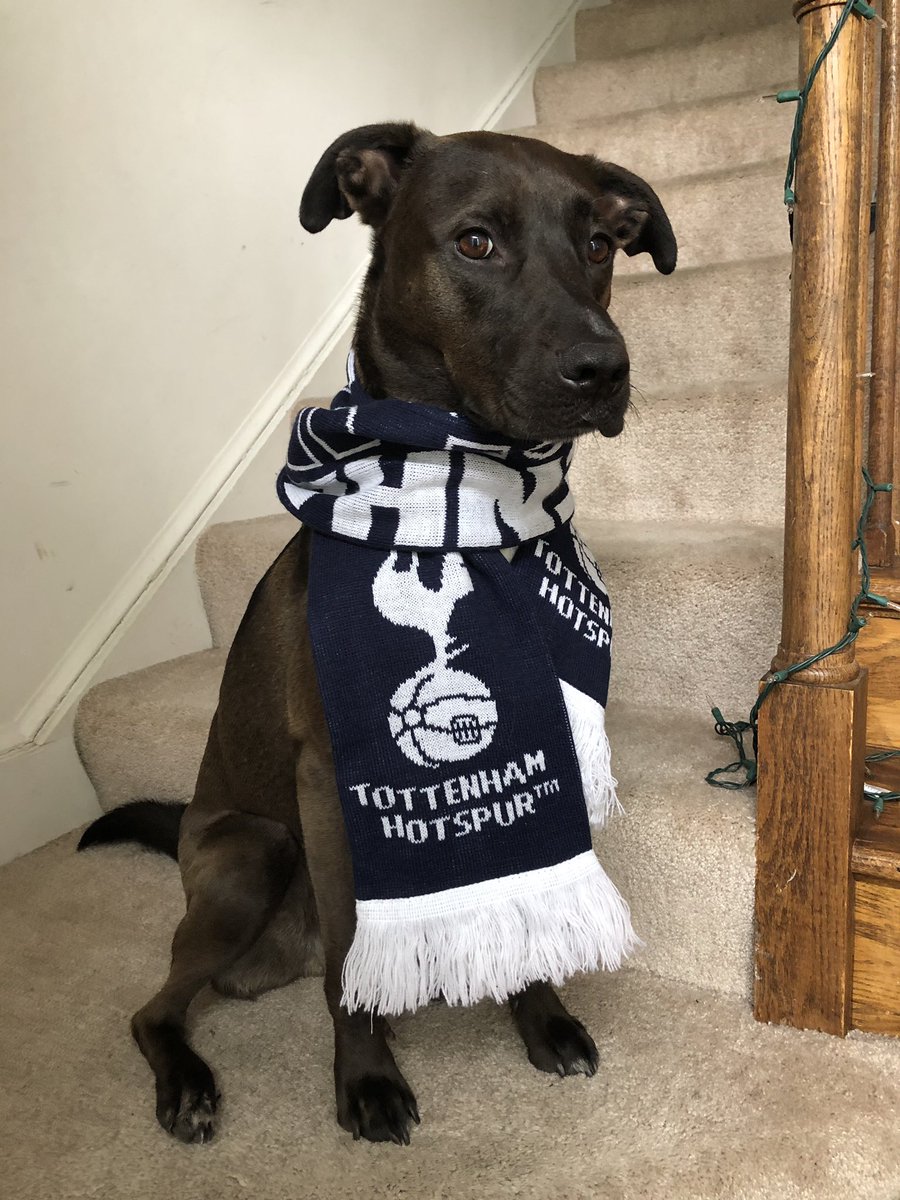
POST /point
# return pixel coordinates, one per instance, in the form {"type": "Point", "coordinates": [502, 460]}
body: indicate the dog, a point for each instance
{"type": "Point", "coordinates": [487, 294]}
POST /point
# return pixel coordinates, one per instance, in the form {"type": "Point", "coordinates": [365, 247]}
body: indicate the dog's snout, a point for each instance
{"type": "Point", "coordinates": [592, 365]}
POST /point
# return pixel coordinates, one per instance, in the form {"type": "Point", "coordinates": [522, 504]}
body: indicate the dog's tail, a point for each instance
{"type": "Point", "coordinates": [151, 823]}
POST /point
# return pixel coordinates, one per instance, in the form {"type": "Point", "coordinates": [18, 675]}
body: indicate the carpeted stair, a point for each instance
{"type": "Point", "coordinates": [683, 511]}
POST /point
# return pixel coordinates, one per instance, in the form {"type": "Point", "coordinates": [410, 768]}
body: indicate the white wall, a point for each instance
{"type": "Point", "coordinates": [161, 304]}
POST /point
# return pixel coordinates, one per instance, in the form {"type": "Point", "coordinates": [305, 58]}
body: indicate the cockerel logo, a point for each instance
{"type": "Point", "coordinates": [440, 714]}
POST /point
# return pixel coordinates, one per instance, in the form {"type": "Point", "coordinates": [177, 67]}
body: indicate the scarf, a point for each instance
{"type": "Point", "coordinates": [461, 636]}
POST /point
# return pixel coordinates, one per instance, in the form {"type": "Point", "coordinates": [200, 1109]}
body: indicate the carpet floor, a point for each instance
{"type": "Point", "coordinates": [693, 1101]}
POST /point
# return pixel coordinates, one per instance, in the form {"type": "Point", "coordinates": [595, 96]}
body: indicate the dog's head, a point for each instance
{"type": "Point", "coordinates": [492, 261]}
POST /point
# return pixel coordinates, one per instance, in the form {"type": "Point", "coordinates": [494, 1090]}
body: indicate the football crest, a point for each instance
{"type": "Point", "coordinates": [440, 714]}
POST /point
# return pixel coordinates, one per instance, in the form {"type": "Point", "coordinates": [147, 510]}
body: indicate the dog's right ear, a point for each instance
{"type": "Point", "coordinates": [359, 173]}
{"type": "Point", "coordinates": [642, 226]}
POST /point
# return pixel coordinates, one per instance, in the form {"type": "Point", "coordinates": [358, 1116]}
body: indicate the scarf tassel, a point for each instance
{"type": "Point", "coordinates": [587, 721]}
{"type": "Point", "coordinates": [489, 939]}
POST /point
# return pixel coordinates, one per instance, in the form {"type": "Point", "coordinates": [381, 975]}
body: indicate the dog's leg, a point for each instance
{"type": "Point", "coordinates": [554, 1039]}
{"type": "Point", "coordinates": [374, 1101]}
{"type": "Point", "coordinates": [236, 877]}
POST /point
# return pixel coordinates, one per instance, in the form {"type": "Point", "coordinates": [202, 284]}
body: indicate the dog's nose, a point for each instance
{"type": "Point", "coordinates": [592, 365]}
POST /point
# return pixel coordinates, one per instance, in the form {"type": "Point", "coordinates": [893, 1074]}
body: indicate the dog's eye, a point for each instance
{"type": "Point", "coordinates": [598, 249]}
{"type": "Point", "coordinates": [475, 243]}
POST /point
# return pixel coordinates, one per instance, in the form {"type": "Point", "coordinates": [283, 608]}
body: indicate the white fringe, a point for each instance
{"type": "Point", "coordinates": [488, 939]}
{"type": "Point", "coordinates": [587, 721]}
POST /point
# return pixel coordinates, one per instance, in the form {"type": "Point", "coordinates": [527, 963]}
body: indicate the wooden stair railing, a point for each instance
{"type": "Point", "coordinates": [812, 727]}
{"type": "Point", "coordinates": [879, 642]}
{"type": "Point", "coordinates": [879, 533]}
{"type": "Point", "coordinates": [876, 851]}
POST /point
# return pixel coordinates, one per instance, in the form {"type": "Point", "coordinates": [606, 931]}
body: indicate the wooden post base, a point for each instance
{"type": "Point", "coordinates": [878, 648]}
{"type": "Point", "coordinates": [811, 761]}
{"type": "Point", "coordinates": [876, 962]}
{"type": "Point", "coordinates": [876, 911]}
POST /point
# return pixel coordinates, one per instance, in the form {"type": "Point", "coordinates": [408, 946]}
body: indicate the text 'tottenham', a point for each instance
{"type": "Point", "coordinates": [462, 805]}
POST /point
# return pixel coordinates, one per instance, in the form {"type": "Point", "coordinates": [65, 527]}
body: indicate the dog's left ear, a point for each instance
{"type": "Point", "coordinates": [635, 213]}
{"type": "Point", "coordinates": [359, 173]}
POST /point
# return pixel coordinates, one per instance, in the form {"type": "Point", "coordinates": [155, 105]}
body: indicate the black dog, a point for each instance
{"type": "Point", "coordinates": [490, 277]}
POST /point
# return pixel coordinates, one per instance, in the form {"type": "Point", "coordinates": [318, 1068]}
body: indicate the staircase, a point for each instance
{"type": "Point", "coordinates": [683, 512]}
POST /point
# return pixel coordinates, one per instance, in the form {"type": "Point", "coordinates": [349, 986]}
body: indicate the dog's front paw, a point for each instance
{"type": "Point", "coordinates": [187, 1101]}
{"type": "Point", "coordinates": [377, 1107]}
{"type": "Point", "coordinates": [560, 1044]}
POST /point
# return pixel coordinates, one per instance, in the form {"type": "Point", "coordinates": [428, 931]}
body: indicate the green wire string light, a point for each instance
{"type": "Point", "coordinates": [801, 95]}
{"type": "Point", "coordinates": [736, 730]}
{"type": "Point", "coordinates": [878, 795]}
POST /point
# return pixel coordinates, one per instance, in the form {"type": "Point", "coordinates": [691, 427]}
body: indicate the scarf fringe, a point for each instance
{"type": "Point", "coordinates": [488, 939]}
{"type": "Point", "coordinates": [587, 721]}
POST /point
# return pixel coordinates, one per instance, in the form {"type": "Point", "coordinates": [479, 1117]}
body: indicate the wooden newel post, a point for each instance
{"type": "Point", "coordinates": [812, 728]}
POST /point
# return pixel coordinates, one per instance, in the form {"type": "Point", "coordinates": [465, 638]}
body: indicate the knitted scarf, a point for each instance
{"type": "Point", "coordinates": [461, 635]}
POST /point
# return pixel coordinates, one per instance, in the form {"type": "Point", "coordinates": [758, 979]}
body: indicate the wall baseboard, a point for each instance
{"type": "Point", "coordinates": [48, 706]}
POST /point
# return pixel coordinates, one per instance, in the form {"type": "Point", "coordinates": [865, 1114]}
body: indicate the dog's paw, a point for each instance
{"type": "Point", "coordinates": [378, 1108]}
{"type": "Point", "coordinates": [187, 1102]}
{"type": "Point", "coordinates": [561, 1045]}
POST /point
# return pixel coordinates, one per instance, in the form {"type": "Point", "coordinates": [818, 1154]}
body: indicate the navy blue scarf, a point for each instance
{"type": "Point", "coordinates": [461, 635]}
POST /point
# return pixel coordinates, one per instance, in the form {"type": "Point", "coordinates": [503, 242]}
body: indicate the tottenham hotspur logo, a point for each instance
{"type": "Point", "coordinates": [440, 714]}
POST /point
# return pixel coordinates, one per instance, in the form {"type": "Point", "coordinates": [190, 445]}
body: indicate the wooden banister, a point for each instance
{"type": "Point", "coordinates": [812, 728]}
{"type": "Point", "coordinates": [823, 452]}
{"type": "Point", "coordinates": [883, 397]}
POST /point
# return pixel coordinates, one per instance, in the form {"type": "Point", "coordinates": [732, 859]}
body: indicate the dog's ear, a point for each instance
{"type": "Point", "coordinates": [636, 214]}
{"type": "Point", "coordinates": [359, 173]}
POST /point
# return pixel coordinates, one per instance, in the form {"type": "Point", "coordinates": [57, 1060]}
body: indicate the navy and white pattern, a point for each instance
{"type": "Point", "coordinates": [352, 471]}
{"type": "Point", "coordinates": [461, 634]}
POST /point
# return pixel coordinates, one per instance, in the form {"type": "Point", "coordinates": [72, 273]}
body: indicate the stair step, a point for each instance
{"type": "Point", "coordinates": [142, 735]}
{"type": "Point", "coordinates": [626, 27]}
{"type": "Point", "coordinates": [722, 217]}
{"type": "Point", "coordinates": [680, 139]}
{"type": "Point", "coordinates": [728, 429]}
{"type": "Point", "coordinates": [726, 320]}
{"type": "Point", "coordinates": [682, 853]}
{"type": "Point", "coordinates": [762, 59]}
{"type": "Point", "coordinates": [232, 557]}
{"type": "Point", "coordinates": [706, 643]}
{"type": "Point", "coordinates": [712, 452]}
{"type": "Point", "coordinates": [696, 610]}
{"type": "Point", "coordinates": [696, 607]}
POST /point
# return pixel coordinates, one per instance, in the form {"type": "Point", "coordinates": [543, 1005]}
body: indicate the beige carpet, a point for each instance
{"type": "Point", "coordinates": [693, 1100]}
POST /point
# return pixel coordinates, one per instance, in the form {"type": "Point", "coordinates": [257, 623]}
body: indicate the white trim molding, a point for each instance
{"type": "Point", "coordinates": [48, 705]}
